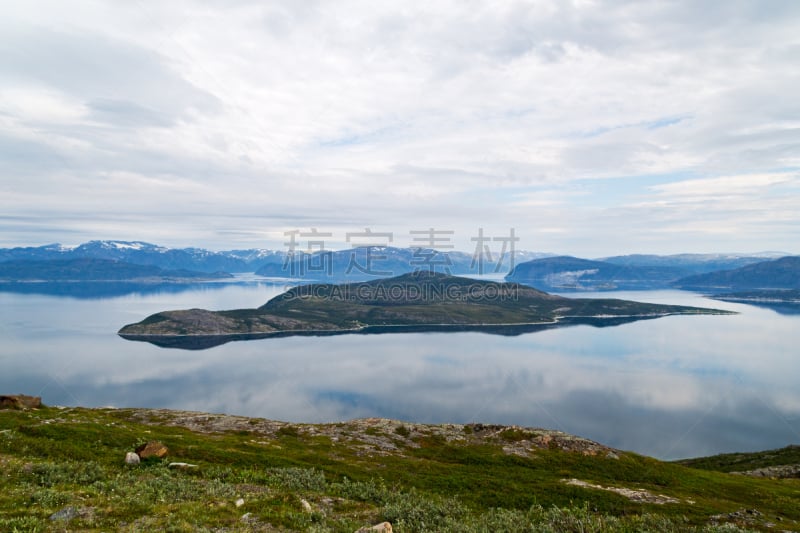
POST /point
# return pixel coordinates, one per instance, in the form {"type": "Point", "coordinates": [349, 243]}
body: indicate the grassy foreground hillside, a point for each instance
{"type": "Point", "coordinates": [63, 469]}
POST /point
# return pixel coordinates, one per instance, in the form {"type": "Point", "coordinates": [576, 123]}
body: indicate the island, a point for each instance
{"type": "Point", "coordinates": [625, 272]}
{"type": "Point", "coordinates": [413, 302]}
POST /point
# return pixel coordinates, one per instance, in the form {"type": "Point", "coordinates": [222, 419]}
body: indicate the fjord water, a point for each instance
{"type": "Point", "coordinates": [671, 387]}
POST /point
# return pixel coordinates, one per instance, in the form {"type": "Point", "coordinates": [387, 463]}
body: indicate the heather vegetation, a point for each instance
{"type": "Point", "coordinates": [63, 469]}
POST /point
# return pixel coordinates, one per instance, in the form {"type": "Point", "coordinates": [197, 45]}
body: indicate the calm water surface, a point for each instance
{"type": "Point", "coordinates": [671, 387]}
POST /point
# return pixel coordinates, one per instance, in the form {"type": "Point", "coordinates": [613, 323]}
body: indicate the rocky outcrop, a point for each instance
{"type": "Point", "coordinates": [776, 472]}
{"type": "Point", "coordinates": [20, 401]}
{"type": "Point", "coordinates": [381, 436]}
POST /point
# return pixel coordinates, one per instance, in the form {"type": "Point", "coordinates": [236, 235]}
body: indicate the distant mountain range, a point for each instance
{"type": "Point", "coordinates": [693, 263]}
{"type": "Point", "coordinates": [351, 264]}
{"type": "Point", "coordinates": [88, 269]}
{"type": "Point", "coordinates": [143, 253]}
{"type": "Point", "coordinates": [374, 262]}
{"type": "Point", "coordinates": [629, 272]}
{"type": "Point", "coordinates": [705, 272]}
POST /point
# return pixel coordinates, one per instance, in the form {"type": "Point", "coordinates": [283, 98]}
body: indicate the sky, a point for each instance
{"type": "Point", "coordinates": [590, 128]}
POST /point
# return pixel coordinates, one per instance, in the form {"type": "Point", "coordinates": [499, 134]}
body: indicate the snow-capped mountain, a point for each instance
{"type": "Point", "coordinates": [144, 253]}
{"type": "Point", "coordinates": [266, 262]}
{"type": "Point", "coordinates": [694, 263]}
{"type": "Point", "coordinates": [371, 262]}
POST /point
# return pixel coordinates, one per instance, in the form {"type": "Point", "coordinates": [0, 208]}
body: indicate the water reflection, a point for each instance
{"type": "Point", "coordinates": [100, 289]}
{"type": "Point", "coordinates": [673, 387]}
{"type": "Point", "coordinates": [203, 342]}
{"type": "Point", "coordinates": [95, 290]}
{"type": "Point", "coordinates": [783, 308]}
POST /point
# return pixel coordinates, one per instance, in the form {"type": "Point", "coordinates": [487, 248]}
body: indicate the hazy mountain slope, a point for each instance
{"type": "Point", "coordinates": [383, 261]}
{"type": "Point", "coordinates": [372, 262]}
{"type": "Point", "coordinates": [93, 270]}
{"type": "Point", "coordinates": [571, 273]}
{"type": "Point", "coordinates": [692, 263]}
{"type": "Point", "coordinates": [143, 253]}
{"type": "Point", "coordinates": [781, 273]}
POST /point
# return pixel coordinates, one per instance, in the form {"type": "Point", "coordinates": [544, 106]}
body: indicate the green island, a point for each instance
{"type": "Point", "coordinates": [418, 301]}
{"type": "Point", "coordinates": [67, 469]}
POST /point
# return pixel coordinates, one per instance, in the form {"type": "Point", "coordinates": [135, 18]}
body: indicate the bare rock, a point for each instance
{"type": "Point", "coordinates": [239, 502]}
{"type": "Point", "coordinates": [777, 472]}
{"type": "Point", "coordinates": [306, 506]}
{"type": "Point", "coordinates": [20, 401]}
{"type": "Point", "coordinates": [742, 517]}
{"type": "Point", "coordinates": [68, 513]}
{"type": "Point", "coordinates": [182, 466]}
{"type": "Point", "coordinates": [383, 527]}
{"type": "Point", "coordinates": [635, 495]}
{"type": "Point", "coordinates": [152, 449]}
{"type": "Point", "coordinates": [131, 459]}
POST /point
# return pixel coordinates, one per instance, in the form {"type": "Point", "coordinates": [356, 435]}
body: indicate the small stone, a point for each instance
{"type": "Point", "coordinates": [131, 459]}
{"type": "Point", "coordinates": [383, 527]}
{"type": "Point", "coordinates": [67, 513]}
{"type": "Point", "coordinates": [246, 517]}
{"type": "Point", "coordinates": [239, 502]}
{"type": "Point", "coordinates": [305, 505]}
{"type": "Point", "coordinates": [152, 449]}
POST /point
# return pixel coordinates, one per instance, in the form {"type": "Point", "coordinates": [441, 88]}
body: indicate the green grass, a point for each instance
{"type": "Point", "coordinates": [52, 459]}
{"type": "Point", "coordinates": [741, 462]}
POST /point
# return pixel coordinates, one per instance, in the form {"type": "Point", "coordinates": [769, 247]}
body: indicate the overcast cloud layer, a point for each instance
{"type": "Point", "coordinates": [590, 127]}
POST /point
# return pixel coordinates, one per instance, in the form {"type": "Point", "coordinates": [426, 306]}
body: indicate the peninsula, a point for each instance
{"type": "Point", "coordinates": [418, 301]}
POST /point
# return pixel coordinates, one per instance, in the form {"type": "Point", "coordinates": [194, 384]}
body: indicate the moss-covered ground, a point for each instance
{"type": "Point", "coordinates": [62, 469]}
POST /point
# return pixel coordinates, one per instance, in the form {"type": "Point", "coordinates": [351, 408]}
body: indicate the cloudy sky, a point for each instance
{"type": "Point", "coordinates": [590, 127]}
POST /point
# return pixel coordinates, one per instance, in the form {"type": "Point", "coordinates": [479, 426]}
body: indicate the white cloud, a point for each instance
{"type": "Point", "coordinates": [701, 190]}
{"type": "Point", "coordinates": [359, 112]}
